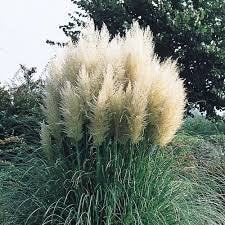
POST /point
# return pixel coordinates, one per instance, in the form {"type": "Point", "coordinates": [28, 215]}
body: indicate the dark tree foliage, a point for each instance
{"type": "Point", "coordinates": [20, 105]}
{"type": "Point", "coordinates": [190, 31]}
{"type": "Point", "coordinates": [5, 99]}
{"type": "Point", "coordinates": [26, 97]}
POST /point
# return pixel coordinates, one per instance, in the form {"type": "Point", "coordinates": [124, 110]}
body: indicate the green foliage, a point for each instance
{"type": "Point", "coordinates": [202, 150]}
{"type": "Point", "coordinates": [13, 149]}
{"type": "Point", "coordinates": [190, 31]}
{"type": "Point", "coordinates": [26, 94]}
{"type": "Point", "coordinates": [178, 185]}
{"type": "Point", "coordinates": [21, 111]}
{"type": "Point", "coordinates": [201, 142]}
{"type": "Point", "coordinates": [202, 126]}
{"type": "Point", "coordinates": [20, 114]}
{"type": "Point", "coordinates": [146, 189]}
{"type": "Point", "coordinates": [5, 98]}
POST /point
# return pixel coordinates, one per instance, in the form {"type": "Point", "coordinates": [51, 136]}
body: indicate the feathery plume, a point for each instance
{"type": "Point", "coordinates": [166, 103]}
{"type": "Point", "coordinates": [84, 88]}
{"type": "Point", "coordinates": [46, 141]}
{"type": "Point", "coordinates": [51, 108]}
{"type": "Point", "coordinates": [117, 88]}
{"type": "Point", "coordinates": [137, 112]}
{"type": "Point", "coordinates": [100, 119]}
{"type": "Point", "coordinates": [118, 110]}
{"type": "Point", "coordinates": [72, 113]}
{"type": "Point", "coordinates": [70, 64]}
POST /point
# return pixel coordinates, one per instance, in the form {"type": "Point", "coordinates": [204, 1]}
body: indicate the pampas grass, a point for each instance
{"type": "Point", "coordinates": [46, 141]}
{"type": "Point", "coordinates": [100, 119]}
{"type": "Point", "coordinates": [150, 191]}
{"type": "Point", "coordinates": [52, 107]}
{"type": "Point", "coordinates": [72, 113]}
{"type": "Point", "coordinates": [109, 87]}
{"type": "Point", "coordinates": [108, 102]}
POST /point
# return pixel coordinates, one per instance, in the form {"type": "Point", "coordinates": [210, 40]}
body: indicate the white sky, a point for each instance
{"type": "Point", "coordinates": [24, 27]}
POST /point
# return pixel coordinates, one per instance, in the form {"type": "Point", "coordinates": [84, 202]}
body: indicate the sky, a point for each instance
{"type": "Point", "coordinates": [25, 25]}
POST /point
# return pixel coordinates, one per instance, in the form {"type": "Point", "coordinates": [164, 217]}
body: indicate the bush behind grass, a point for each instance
{"type": "Point", "coordinates": [199, 125]}
{"type": "Point", "coordinates": [204, 141]}
{"type": "Point", "coordinates": [148, 187]}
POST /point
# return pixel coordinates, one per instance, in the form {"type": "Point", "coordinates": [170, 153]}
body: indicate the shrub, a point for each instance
{"type": "Point", "coordinates": [20, 115]}
{"type": "Point", "coordinates": [202, 126]}
{"type": "Point", "coordinates": [21, 112]}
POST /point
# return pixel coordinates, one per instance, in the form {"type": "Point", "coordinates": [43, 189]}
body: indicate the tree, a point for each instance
{"type": "Point", "coordinates": [192, 32]}
{"type": "Point", "coordinates": [5, 99]}
{"type": "Point", "coordinates": [27, 95]}
{"type": "Point", "coordinates": [20, 105]}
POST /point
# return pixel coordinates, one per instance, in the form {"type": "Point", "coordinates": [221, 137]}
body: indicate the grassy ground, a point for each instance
{"type": "Point", "coordinates": [183, 183]}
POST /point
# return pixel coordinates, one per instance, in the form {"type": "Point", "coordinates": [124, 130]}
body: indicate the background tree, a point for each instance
{"type": "Point", "coordinates": [26, 93]}
{"type": "Point", "coordinates": [5, 99]}
{"type": "Point", "coordinates": [191, 31]}
{"type": "Point", "coordinates": [20, 103]}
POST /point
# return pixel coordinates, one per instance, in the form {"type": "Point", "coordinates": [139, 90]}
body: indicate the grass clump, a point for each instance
{"type": "Point", "coordinates": [103, 89]}
{"type": "Point", "coordinates": [146, 188]}
{"type": "Point", "coordinates": [109, 109]}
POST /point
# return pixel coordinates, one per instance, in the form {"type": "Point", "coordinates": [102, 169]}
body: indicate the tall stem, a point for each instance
{"type": "Point", "coordinates": [98, 164]}
{"type": "Point", "coordinates": [78, 157]}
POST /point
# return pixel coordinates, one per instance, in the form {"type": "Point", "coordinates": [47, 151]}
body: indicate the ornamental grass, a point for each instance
{"type": "Point", "coordinates": [105, 89]}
